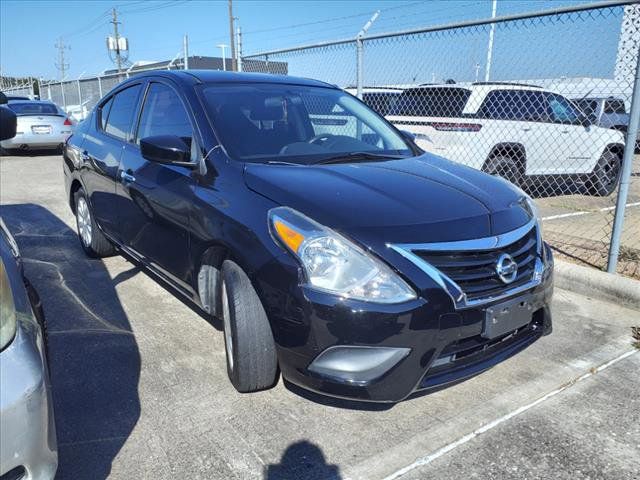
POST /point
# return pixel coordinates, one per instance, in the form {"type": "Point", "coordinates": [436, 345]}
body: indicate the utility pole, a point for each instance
{"type": "Point", "coordinates": [185, 51]}
{"type": "Point", "coordinates": [115, 23]}
{"type": "Point", "coordinates": [61, 64]}
{"type": "Point", "coordinates": [490, 47]}
{"type": "Point", "coordinates": [231, 39]}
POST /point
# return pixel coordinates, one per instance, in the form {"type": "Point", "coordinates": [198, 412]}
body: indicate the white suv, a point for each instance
{"type": "Point", "coordinates": [531, 136]}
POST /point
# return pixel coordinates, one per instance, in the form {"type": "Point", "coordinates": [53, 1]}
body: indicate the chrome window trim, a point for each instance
{"type": "Point", "coordinates": [454, 291]}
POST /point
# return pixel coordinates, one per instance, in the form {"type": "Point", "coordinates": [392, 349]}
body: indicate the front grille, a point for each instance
{"type": "Point", "coordinates": [474, 271]}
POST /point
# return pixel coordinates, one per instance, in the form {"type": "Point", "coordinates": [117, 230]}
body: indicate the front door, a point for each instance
{"type": "Point", "coordinates": [154, 224]}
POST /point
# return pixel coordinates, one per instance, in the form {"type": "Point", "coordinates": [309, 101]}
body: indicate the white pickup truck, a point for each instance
{"type": "Point", "coordinates": [531, 136]}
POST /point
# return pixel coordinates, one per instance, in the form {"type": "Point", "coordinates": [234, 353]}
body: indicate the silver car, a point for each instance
{"type": "Point", "coordinates": [41, 125]}
{"type": "Point", "coordinates": [28, 447]}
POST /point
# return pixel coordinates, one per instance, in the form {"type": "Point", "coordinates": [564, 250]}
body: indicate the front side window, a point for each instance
{"type": "Point", "coordinates": [296, 124]}
{"type": "Point", "coordinates": [122, 111]}
{"type": "Point", "coordinates": [588, 107]}
{"type": "Point", "coordinates": [614, 106]}
{"type": "Point", "coordinates": [562, 110]}
{"type": "Point", "coordinates": [164, 114]}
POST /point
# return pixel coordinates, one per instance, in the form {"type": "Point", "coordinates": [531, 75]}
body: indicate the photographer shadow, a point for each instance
{"type": "Point", "coordinates": [94, 361]}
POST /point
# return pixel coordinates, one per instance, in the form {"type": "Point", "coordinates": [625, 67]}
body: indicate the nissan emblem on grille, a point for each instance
{"type": "Point", "coordinates": [506, 268]}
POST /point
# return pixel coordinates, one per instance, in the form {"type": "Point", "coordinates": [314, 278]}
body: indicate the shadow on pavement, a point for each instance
{"type": "Point", "coordinates": [93, 355]}
{"type": "Point", "coordinates": [302, 460]}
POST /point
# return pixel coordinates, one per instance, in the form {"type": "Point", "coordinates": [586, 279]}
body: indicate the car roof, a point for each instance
{"type": "Point", "coordinates": [32, 101]}
{"type": "Point", "coordinates": [217, 76]}
{"type": "Point", "coordinates": [598, 99]}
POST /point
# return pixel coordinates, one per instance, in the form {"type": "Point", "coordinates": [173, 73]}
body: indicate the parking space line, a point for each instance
{"type": "Point", "coordinates": [577, 214]}
{"type": "Point", "coordinates": [488, 426]}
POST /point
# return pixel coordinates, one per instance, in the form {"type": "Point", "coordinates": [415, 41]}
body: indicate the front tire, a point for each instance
{"type": "Point", "coordinates": [252, 363]}
{"type": "Point", "coordinates": [606, 175]}
{"type": "Point", "coordinates": [93, 241]}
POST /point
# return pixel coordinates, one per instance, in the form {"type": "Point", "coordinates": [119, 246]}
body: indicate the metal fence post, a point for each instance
{"type": "Point", "coordinates": [64, 99]}
{"type": "Point", "coordinates": [627, 161]}
{"type": "Point", "coordinates": [100, 86]}
{"type": "Point", "coordinates": [359, 67]}
{"type": "Point", "coordinates": [79, 94]}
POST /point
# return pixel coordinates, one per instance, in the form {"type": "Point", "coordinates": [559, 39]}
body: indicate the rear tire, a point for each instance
{"type": "Point", "coordinates": [252, 363]}
{"type": "Point", "coordinates": [505, 167]}
{"type": "Point", "coordinates": [606, 175]}
{"type": "Point", "coordinates": [93, 241]}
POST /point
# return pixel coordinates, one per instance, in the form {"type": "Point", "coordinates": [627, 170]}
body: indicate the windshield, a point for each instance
{"type": "Point", "coordinates": [33, 108]}
{"type": "Point", "coordinates": [297, 124]}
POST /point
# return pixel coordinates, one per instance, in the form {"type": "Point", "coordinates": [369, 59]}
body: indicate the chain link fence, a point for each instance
{"type": "Point", "coordinates": [77, 97]}
{"type": "Point", "coordinates": [542, 100]}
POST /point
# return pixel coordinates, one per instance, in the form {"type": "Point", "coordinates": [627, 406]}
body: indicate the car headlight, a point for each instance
{"type": "Point", "coordinates": [333, 263]}
{"type": "Point", "coordinates": [7, 309]}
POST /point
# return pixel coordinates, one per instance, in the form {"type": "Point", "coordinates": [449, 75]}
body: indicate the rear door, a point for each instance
{"type": "Point", "coordinates": [102, 150]}
{"type": "Point", "coordinates": [157, 198]}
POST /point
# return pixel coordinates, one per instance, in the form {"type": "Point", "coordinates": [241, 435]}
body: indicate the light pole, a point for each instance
{"type": "Point", "coordinates": [224, 58]}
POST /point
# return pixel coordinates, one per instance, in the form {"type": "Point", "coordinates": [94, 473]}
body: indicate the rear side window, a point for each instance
{"type": "Point", "coordinates": [381, 102]}
{"type": "Point", "coordinates": [104, 113]}
{"type": "Point", "coordinates": [431, 102]}
{"type": "Point", "coordinates": [121, 112]}
{"type": "Point", "coordinates": [614, 106]}
{"type": "Point", "coordinates": [524, 105]}
{"type": "Point", "coordinates": [164, 114]}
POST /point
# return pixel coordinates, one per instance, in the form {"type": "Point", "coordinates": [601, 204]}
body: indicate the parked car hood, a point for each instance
{"type": "Point", "coordinates": [422, 199]}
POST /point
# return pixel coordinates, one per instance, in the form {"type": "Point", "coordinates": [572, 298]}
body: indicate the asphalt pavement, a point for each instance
{"type": "Point", "coordinates": [141, 391]}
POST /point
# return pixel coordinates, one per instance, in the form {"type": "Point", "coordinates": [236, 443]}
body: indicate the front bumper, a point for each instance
{"type": "Point", "coordinates": [426, 343]}
{"type": "Point", "coordinates": [27, 430]}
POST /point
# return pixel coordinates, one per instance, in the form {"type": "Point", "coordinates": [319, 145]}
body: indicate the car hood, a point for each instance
{"type": "Point", "coordinates": [423, 199]}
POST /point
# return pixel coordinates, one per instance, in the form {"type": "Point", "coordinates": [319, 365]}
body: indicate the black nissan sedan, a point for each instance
{"type": "Point", "coordinates": [333, 249]}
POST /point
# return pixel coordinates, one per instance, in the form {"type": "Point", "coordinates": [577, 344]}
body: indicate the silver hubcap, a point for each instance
{"type": "Point", "coordinates": [227, 326]}
{"type": "Point", "coordinates": [83, 217]}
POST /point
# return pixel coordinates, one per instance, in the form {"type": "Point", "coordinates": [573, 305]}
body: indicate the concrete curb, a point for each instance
{"type": "Point", "coordinates": [598, 284]}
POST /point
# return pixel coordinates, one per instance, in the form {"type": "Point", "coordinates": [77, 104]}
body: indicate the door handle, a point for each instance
{"type": "Point", "coordinates": [127, 178]}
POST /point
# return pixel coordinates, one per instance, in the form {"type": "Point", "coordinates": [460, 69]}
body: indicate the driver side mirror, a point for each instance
{"type": "Point", "coordinates": [408, 136]}
{"type": "Point", "coordinates": [8, 120]}
{"type": "Point", "coordinates": [166, 149]}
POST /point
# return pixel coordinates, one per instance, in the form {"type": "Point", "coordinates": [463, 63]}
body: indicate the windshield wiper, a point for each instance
{"type": "Point", "coordinates": [358, 157]}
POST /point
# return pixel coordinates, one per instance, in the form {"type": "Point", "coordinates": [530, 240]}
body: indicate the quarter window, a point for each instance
{"type": "Point", "coordinates": [104, 113]}
{"type": "Point", "coordinates": [121, 112]}
{"type": "Point", "coordinates": [164, 114]}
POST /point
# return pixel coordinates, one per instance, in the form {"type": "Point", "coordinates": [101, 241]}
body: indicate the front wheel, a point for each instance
{"type": "Point", "coordinates": [252, 363]}
{"type": "Point", "coordinates": [93, 241]}
{"type": "Point", "coordinates": [606, 175]}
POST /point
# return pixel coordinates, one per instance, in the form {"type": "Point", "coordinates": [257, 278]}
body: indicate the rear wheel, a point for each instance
{"type": "Point", "coordinates": [252, 363]}
{"type": "Point", "coordinates": [606, 175]}
{"type": "Point", "coordinates": [505, 167]}
{"type": "Point", "coordinates": [93, 241]}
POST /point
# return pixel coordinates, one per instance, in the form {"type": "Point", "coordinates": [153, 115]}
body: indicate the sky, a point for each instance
{"type": "Point", "coordinates": [30, 29]}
